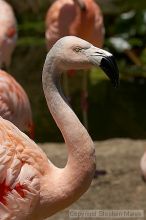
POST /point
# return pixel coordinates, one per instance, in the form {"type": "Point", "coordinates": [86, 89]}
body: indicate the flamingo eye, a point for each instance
{"type": "Point", "coordinates": [77, 49]}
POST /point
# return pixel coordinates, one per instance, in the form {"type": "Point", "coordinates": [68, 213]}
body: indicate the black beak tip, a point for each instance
{"type": "Point", "coordinates": [115, 83]}
{"type": "Point", "coordinates": [109, 66]}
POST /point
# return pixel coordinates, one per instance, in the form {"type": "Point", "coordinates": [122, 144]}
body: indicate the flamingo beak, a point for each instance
{"type": "Point", "coordinates": [109, 66]}
{"type": "Point", "coordinates": [107, 63]}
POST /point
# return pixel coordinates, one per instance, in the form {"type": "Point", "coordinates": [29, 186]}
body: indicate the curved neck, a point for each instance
{"type": "Point", "coordinates": [81, 4]}
{"type": "Point", "coordinates": [76, 177]}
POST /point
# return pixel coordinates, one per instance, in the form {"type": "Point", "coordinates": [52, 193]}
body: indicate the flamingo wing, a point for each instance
{"type": "Point", "coordinates": [8, 33]}
{"type": "Point", "coordinates": [20, 172]}
{"type": "Point", "coordinates": [98, 29]}
{"type": "Point", "coordinates": [5, 111]}
{"type": "Point", "coordinates": [59, 20]}
{"type": "Point", "coordinates": [14, 103]}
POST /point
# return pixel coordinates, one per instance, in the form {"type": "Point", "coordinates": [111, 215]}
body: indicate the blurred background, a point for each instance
{"type": "Point", "coordinates": [113, 113]}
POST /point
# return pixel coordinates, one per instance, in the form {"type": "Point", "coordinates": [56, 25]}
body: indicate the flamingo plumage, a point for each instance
{"type": "Point", "coordinates": [8, 33]}
{"type": "Point", "coordinates": [65, 17]}
{"type": "Point", "coordinates": [32, 187]}
{"type": "Point", "coordinates": [81, 18]}
{"type": "Point", "coordinates": [143, 166]}
{"type": "Point", "coordinates": [14, 104]}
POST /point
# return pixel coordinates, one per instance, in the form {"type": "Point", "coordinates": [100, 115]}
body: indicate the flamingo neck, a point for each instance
{"type": "Point", "coordinates": [77, 175]}
{"type": "Point", "coordinates": [81, 4]}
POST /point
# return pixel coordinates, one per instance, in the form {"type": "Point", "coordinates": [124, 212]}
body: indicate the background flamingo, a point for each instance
{"type": "Point", "coordinates": [81, 18]}
{"type": "Point", "coordinates": [143, 166]}
{"type": "Point", "coordinates": [30, 186]}
{"type": "Point", "coordinates": [8, 33]}
{"type": "Point", "coordinates": [14, 104]}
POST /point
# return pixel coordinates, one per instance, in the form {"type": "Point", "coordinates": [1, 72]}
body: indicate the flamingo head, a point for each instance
{"type": "Point", "coordinates": [81, 4]}
{"type": "Point", "coordinates": [74, 53]}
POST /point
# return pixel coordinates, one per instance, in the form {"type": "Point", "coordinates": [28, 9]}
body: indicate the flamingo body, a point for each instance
{"type": "Point", "coordinates": [19, 172]}
{"type": "Point", "coordinates": [14, 103]}
{"type": "Point", "coordinates": [65, 18]}
{"type": "Point", "coordinates": [81, 18]}
{"type": "Point", "coordinates": [8, 33]}
{"type": "Point", "coordinates": [31, 187]}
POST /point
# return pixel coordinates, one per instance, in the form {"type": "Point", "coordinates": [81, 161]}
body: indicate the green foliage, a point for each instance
{"type": "Point", "coordinates": [96, 75]}
{"type": "Point", "coordinates": [130, 29]}
{"type": "Point", "coordinates": [112, 7]}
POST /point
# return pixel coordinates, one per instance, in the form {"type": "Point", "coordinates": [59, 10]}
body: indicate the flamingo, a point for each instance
{"type": "Point", "coordinates": [8, 33]}
{"type": "Point", "coordinates": [31, 186]}
{"type": "Point", "coordinates": [81, 18]}
{"type": "Point", "coordinates": [14, 104]}
{"type": "Point", "coordinates": [143, 166]}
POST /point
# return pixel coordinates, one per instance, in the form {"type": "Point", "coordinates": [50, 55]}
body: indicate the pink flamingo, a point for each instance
{"type": "Point", "coordinates": [81, 18]}
{"type": "Point", "coordinates": [14, 104]}
{"type": "Point", "coordinates": [8, 33]}
{"type": "Point", "coordinates": [143, 166]}
{"type": "Point", "coordinates": [31, 187]}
